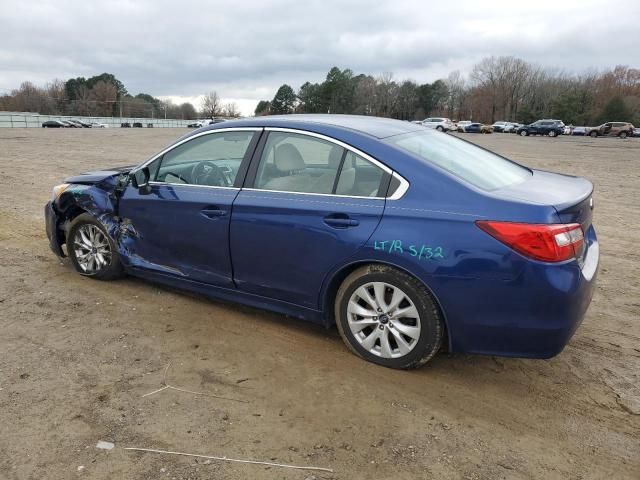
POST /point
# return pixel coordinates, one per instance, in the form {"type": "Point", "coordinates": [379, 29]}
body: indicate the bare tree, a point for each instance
{"type": "Point", "coordinates": [211, 105]}
{"type": "Point", "coordinates": [231, 110]}
{"type": "Point", "coordinates": [105, 95]}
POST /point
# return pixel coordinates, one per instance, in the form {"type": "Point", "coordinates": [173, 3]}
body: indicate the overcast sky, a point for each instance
{"type": "Point", "coordinates": [245, 49]}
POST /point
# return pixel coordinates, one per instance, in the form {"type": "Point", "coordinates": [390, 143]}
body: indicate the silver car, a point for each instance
{"type": "Point", "coordinates": [439, 123]}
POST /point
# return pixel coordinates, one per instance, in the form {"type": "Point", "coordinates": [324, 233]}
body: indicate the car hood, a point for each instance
{"type": "Point", "coordinates": [91, 178]}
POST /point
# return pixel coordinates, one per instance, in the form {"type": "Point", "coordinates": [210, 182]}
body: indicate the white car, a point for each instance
{"type": "Point", "coordinates": [439, 123]}
{"type": "Point", "coordinates": [462, 124]}
{"type": "Point", "coordinates": [499, 126]}
{"type": "Point", "coordinates": [99, 125]}
{"type": "Point", "coordinates": [510, 127]}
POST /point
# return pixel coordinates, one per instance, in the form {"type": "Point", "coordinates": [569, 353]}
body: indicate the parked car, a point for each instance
{"type": "Point", "coordinates": [478, 128]}
{"type": "Point", "coordinates": [612, 129]}
{"type": "Point", "coordinates": [99, 125]}
{"type": "Point", "coordinates": [149, 125]}
{"type": "Point", "coordinates": [514, 127]}
{"type": "Point", "coordinates": [197, 124]}
{"type": "Point", "coordinates": [53, 124]}
{"type": "Point", "coordinates": [499, 126]}
{"type": "Point", "coordinates": [439, 123]}
{"type": "Point", "coordinates": [553, 128]}
{"type": "Point", "coordinates": [462, 125]}
{"type": "Point", "coordinates": [424, 239]}
{"type": "Point", "coordinates": [137, 125]}
{"type": "Point", "coordinates": [125, 125]}
{"type": "Point", "coordinates": [579, 131]}
{"type": "Point", "coordinates": [636, 132]}
{"type": "Point", "coordinates": [68, 124]}
{"type": "Point", "coordinates": [509, 127]}
{"type": "Point", "coordinates": [78, 124]}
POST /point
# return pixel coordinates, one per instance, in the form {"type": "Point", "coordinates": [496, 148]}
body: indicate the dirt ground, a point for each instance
{"type": "Point", "coordinates": [77, 356]}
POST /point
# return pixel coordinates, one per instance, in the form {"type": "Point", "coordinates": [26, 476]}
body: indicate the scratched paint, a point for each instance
{"type": "Point", "coordinates": [422, 252]}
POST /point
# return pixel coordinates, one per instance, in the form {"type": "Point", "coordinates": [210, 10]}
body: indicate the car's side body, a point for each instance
{"type": "Point", "coordinates": [289, 251]}
{"type": "Point", "coordinates": [478, 128]}
{"type": "Point", "coordinates": [439, 123]}
{"type": "Point", "coordinates": [612, 129]}
{"type": "Point", "coordinates": [543, 127]}
{"type": "Point", "coordinates": [53, 124]}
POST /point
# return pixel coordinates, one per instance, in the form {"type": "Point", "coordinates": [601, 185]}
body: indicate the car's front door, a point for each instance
{"type": "Point", "coordinates": [310, 205]}
{"type": "Point", "coordinates": [179, 224]}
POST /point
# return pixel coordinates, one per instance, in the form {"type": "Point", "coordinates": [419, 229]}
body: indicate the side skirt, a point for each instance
{"type": "Point", "coordinates": [230, 295]}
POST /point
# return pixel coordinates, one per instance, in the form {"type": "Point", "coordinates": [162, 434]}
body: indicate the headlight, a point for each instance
{"type": "Point", "coordinates": [58, 189]}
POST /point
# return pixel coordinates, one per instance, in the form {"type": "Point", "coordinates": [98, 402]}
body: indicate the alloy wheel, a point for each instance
{"type": "Point", "coordinates": [91, 248]}
{"type": "Point", "coordinates": [383, 320]}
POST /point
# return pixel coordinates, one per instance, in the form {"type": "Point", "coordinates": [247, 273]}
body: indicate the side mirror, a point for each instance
{"type": "Point", "coordinates": [140, 180]}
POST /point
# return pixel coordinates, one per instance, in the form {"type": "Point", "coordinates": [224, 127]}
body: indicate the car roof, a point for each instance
{"type": "Point", "coordinates": [373, 126]}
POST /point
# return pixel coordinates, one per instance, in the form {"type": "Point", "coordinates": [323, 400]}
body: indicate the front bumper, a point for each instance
{"type": "Point", "coordinates": [53, 231]}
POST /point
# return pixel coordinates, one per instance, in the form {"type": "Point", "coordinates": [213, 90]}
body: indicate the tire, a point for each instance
{"type": "Point", "coordinates": [552, 133]}
{"type": "Point", "coordinates": [439, 128]}
{"type": "Point", "coordinates": [422, 343]}
{"type": "Point", "coordinates": [524, 133]}
{"type": "Point", "coordinates": [623, 135]}
{"type": "Point", "coordinates": [86, 234]}
{"type": "Point", "coordinates": [593, 134]}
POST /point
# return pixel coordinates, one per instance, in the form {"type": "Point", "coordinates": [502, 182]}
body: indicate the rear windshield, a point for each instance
{"type": "Point", "coordinates": [473, 164]}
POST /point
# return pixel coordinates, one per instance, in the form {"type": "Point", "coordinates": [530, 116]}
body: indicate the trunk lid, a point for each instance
{"type": "Point", "coordinates": [569, 195]}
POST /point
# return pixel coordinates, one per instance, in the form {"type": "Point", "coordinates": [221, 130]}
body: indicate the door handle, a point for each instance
{"type": "Point", "coordinates": [340, 221]}
{"type": "Point", "coordinates": [213, 212]}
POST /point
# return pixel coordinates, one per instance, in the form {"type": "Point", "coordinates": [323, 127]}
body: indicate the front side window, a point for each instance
{"type": "Point", "coordinates": [212, 160]}
{"type": "Point", "coordinates": [481, 168]}
{"type": "Point", "coordinates": [294, 162]}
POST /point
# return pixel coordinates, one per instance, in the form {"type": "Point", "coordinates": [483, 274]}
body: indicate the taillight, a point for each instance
{"type": "Point", "coordinates": [545, 242]}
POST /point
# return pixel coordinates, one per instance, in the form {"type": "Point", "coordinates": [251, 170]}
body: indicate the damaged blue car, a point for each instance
{"type": "Point", "coordinates": [406, 239]}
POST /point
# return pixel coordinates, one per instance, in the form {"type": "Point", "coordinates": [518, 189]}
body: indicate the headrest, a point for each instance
{"type": "Point", "coordinates": [287, 158]}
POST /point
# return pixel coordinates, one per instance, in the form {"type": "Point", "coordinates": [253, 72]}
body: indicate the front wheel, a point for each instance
{"type": "Point", "coordinates": [623, 135]}
{"type": "Point", "coordinates": [552, 133]}
{"type": "Point", "coordinates": [524, 133]}
{"type": "Point", "coordinates": [439, 128]}
{"type": "Point", "coordinates": [593, 134]}
{"type": "Point", "coordinates": [92, 251]}
{"type": "Point", "coordinates": [388, 317]}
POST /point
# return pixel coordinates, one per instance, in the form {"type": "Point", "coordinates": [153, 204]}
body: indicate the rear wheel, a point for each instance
{"type": "Point", "coordinates": [439, 128]}
{"type": "Point", "coordinates": [91, 250]}
{"type": "Point", "coordinates": [524, 133]}
{"type": "Point", "coordinates": [623, 135]}
{"type": "Point", "coordinates": [388, 317]}
{"type": "Point", "coordinates": [593, 134]}
{"type": "Point", "coordinates": [552, 133]}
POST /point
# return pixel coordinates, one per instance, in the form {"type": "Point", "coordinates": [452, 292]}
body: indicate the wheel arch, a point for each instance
{"type": "Point", "coordinates": [334, 280]}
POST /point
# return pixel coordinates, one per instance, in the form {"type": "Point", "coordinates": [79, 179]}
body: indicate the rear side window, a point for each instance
{"type": "Point", "coordinates": [294, 162]}
{"type": "Point", "coordinates": [479, 167]}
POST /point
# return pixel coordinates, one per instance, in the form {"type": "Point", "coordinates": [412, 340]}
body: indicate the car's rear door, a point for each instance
{"type": "Point", "coordinates": [179, 225]}
{"type": "Point", "coordinates": [308, 204]}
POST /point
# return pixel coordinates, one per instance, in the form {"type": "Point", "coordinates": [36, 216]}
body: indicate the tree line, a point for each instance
{"type": "Point", "coordinates": [104, 96]}
{"type": "Point", "coordinates": [497, 88]}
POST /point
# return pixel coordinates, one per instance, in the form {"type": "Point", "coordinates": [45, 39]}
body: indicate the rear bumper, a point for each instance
{"type": "Point", "coordinates": [53, 232]}
{"type": "Point", "coordinates": [532, 316]}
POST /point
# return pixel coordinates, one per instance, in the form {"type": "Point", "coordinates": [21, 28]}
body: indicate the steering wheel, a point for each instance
{"type": "Point", "coordinates": [208, 173]}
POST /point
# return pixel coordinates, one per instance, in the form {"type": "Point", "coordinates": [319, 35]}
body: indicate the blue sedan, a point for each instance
{"type": "Point", "coordinates": [406, 239]}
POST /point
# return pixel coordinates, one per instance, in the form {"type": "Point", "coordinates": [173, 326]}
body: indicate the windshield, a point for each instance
{"type": "Point", "coordinates": [481, 168]}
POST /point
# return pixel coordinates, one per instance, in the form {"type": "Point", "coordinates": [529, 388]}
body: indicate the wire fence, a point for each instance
{"type": "Point", "coordinates": [27, 120]}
